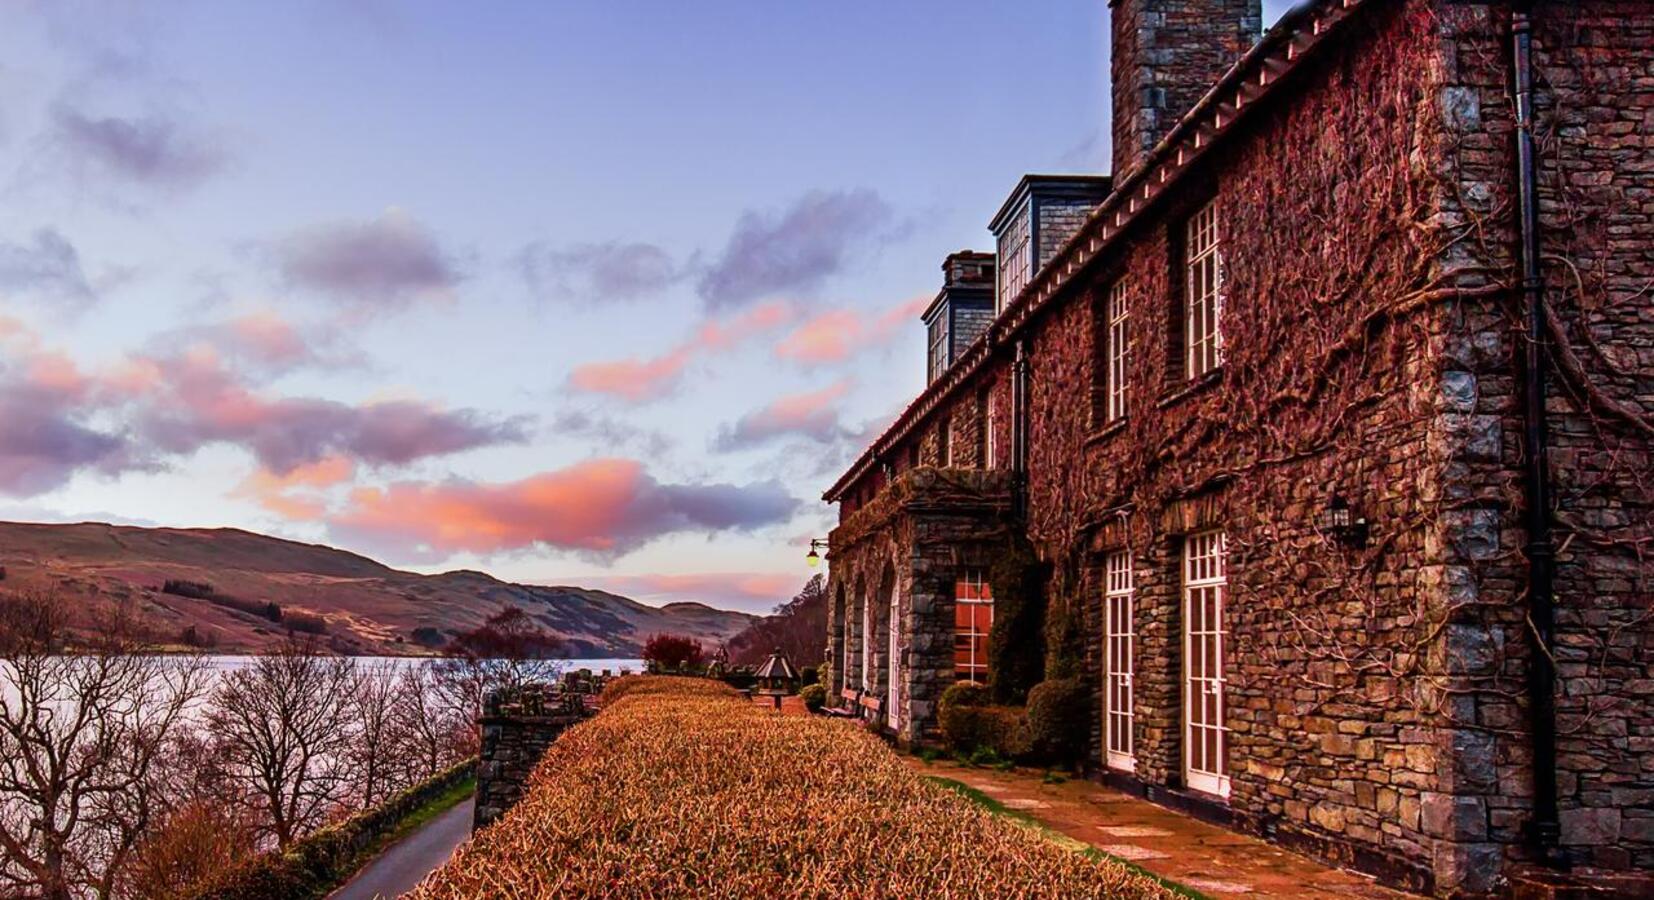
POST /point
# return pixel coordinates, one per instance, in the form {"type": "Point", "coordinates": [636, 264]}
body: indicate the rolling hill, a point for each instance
{"type": "Point", "coordinates": [362, 606]}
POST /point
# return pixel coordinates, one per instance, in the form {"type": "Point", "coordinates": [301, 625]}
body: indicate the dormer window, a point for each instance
{"type": "Point", "coordinates": [937, 355]}
{"type": "Point", "coordinates": [961, 311]}
{"type": "Point", "coordinates": [1016, 259]}
{"type": "Point", "coordinates": [1039, 219]}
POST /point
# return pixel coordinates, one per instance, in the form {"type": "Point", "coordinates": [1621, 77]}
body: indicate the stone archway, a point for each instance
{"type": "Point", "coordinates": [888, 636]}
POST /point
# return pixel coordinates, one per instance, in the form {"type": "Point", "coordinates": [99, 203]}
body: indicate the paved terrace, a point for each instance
{"type": "Point", "coordinates": [1214, 861]}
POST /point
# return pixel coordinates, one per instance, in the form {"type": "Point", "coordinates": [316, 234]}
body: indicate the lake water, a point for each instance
{"type": "Point", "coordinates": [397, 663]}
{"type": "Point", "coordinates": [389, 665]}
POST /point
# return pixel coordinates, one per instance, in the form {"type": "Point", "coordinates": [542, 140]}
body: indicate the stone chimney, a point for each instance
{"type": "Point", "coordinates": [960, 312]}
{"type": "Point", "coordinates": [1167, 54]}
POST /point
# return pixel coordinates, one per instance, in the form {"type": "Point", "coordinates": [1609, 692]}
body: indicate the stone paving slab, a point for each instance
{"type": "Point", "coordinates": [1215, 861]}
{"type": "Point", "coordinates": [1134, 831]}
{"type": "Point", "coordinates": [1131, 852]}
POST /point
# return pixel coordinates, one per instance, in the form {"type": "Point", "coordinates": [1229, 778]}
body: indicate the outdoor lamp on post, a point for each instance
{"type": "Point", "coordinates": [814, 557]}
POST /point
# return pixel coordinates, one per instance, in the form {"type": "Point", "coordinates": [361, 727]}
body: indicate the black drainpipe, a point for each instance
{"type": "Point", "coordinates": [1544, 830]}
{"type": "Point", "coordinates": [1019, 433]}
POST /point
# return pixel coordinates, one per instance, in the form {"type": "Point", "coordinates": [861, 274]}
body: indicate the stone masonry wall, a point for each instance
{"type": "Point", "coordinates": [1376, 696]}
{"type": "Point", "coordinates": [512, 744]}
{"type": "Point", "coordinates": [1594, 104]}
{"type": "Point", "coordinates": [933, 525]}
{"type": "Point", "coordinates": [1059, 220]}
{"type": "Point", "coordinates": [1334, 741]}
{"type": "Point", "coordinates": [1166, 54]}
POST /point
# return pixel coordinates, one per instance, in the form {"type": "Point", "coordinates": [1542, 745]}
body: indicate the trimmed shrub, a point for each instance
{"type": "Point", "coordinates": [1058, 719]}
{"type": "Point", "coordinates": [814, 696]}
{"type": "Point", "coordinates": [956, 715]}
{"type": "Point", "coordinates": [1064, 643]}
{"type": "Point", "coordinates": [677, 685]}
{"type": "Point", "coordinates": [964, 693]}
{"type": "Point", "coordinates": [1005, 730]}
{"type": "Point", "coordinates": [1016, 643]}
{"type": "Point", "coordinates": [809, 675]}
{"type": "Point", "coordinates": [1001, 730]}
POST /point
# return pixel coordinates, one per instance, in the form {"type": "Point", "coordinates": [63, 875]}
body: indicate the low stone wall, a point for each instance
{"type": "Point", "coordinates": [314, 865]}
{"type": "Point", "coordinates": [516, 730]}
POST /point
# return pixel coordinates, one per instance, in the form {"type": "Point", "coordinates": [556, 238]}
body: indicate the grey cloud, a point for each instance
{"type": "Point", "coordinates": [796, 249]}
{"type": "Point", "coordinates": [43, 444]}
{"type": "Point", "coordinates": [287, 433]}
{"type": "Point", "coordinates": [46, 265]}
{"type": "Point", "coordinates": [392, 260]}
{"type": "Point", "coordinates": [152, 149]}
{"type": "Point", "coordinates": [613, 270]}
{"type": "Point", "coordinates": [612, 433]}
{"type": "Point", "coordinates": [668, 508]}
{"type": "Point", "coordinates": [758, 428]}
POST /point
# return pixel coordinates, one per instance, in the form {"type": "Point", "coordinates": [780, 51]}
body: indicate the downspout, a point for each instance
{"type": "Point", "coordinates": [1019, 434]}
{"type": "Point", "coordinates": [1545, 829]}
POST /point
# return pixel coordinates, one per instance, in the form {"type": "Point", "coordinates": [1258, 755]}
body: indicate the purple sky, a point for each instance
{"type": "Point", "coordinates": [598, 293]}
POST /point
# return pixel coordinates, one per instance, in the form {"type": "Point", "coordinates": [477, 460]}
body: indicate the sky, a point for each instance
{"type": "Point", "coordinates": [598, 293]}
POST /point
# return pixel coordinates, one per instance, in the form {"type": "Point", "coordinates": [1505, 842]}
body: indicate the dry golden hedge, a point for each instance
{"type": "Point", "coordinates": [678, 789]}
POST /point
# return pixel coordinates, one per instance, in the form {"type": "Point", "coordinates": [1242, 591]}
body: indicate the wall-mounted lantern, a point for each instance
{"type": "Point", "coordinates": [814, 557]}
{"type": "Point", "coordinates": [1342, 524]}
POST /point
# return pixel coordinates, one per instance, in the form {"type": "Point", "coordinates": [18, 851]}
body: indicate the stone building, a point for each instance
{"type": "Point", "coordinates": [1332, 418]}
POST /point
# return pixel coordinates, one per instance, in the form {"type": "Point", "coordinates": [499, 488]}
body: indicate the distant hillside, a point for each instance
{"type": "Point", "coordinates": [361, 606]}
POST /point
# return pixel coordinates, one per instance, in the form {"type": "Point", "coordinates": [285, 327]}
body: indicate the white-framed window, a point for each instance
{"type": "Point", "coordinates": [1204, 293]}
{"type": "Point", "coordinates": [938, 355]}
{"type": "Point", "coordinates": [973, 619]}
{"type": "Point", "coordinates": [1119, 350]}
{"type": "Point", "coordinates": [990, 434]}
{"type": "Point", "coordinates": [1205, 737]}
{"type": "Point", "coordinates": [1119, 640]}
{"type": "Point", "coordinates": [1016, 258]}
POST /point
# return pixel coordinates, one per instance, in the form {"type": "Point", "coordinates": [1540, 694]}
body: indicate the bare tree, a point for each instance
{"type": "Point", "coordinates": [82, 729]}
{"type": "Point", "coordinates": [434, 735]}
{"type": "Point", "coordinates": [379, 741]}
{"type": "Point", "coordinates": [283, 728]}
{"type": "Point", "coordinates": [504, 653]}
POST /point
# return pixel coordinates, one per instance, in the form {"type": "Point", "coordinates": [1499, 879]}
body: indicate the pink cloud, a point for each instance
{"type": "Point", "coordinates": [836, 335]}
{"type": "Point", "coordinates": [748, 591]}
{"type": "Point", "coordinates": [812, 414]}
{"type": "Point", "coordinates": [603, 506]}
{"type": "Point", "coordinates": [633, 380]}
{"type": "Point", "coordinates": [51, 431]}
{"type": "Point", "coordinates": [270, 337]}
{"type": "Point", "coordinates": [261, 341]}
{"type": "Point", "coordinates": [638, 380]}
{"type": "Point", "coordinates": [295, 494]}
{"type": "Point", "coordinates": [194, 399]}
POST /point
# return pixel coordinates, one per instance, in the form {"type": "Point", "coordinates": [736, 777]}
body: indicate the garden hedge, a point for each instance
{"type": "Point", "coordinates": [316, 864]}
{"type": "Point", "coordinates": [674, 790]}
